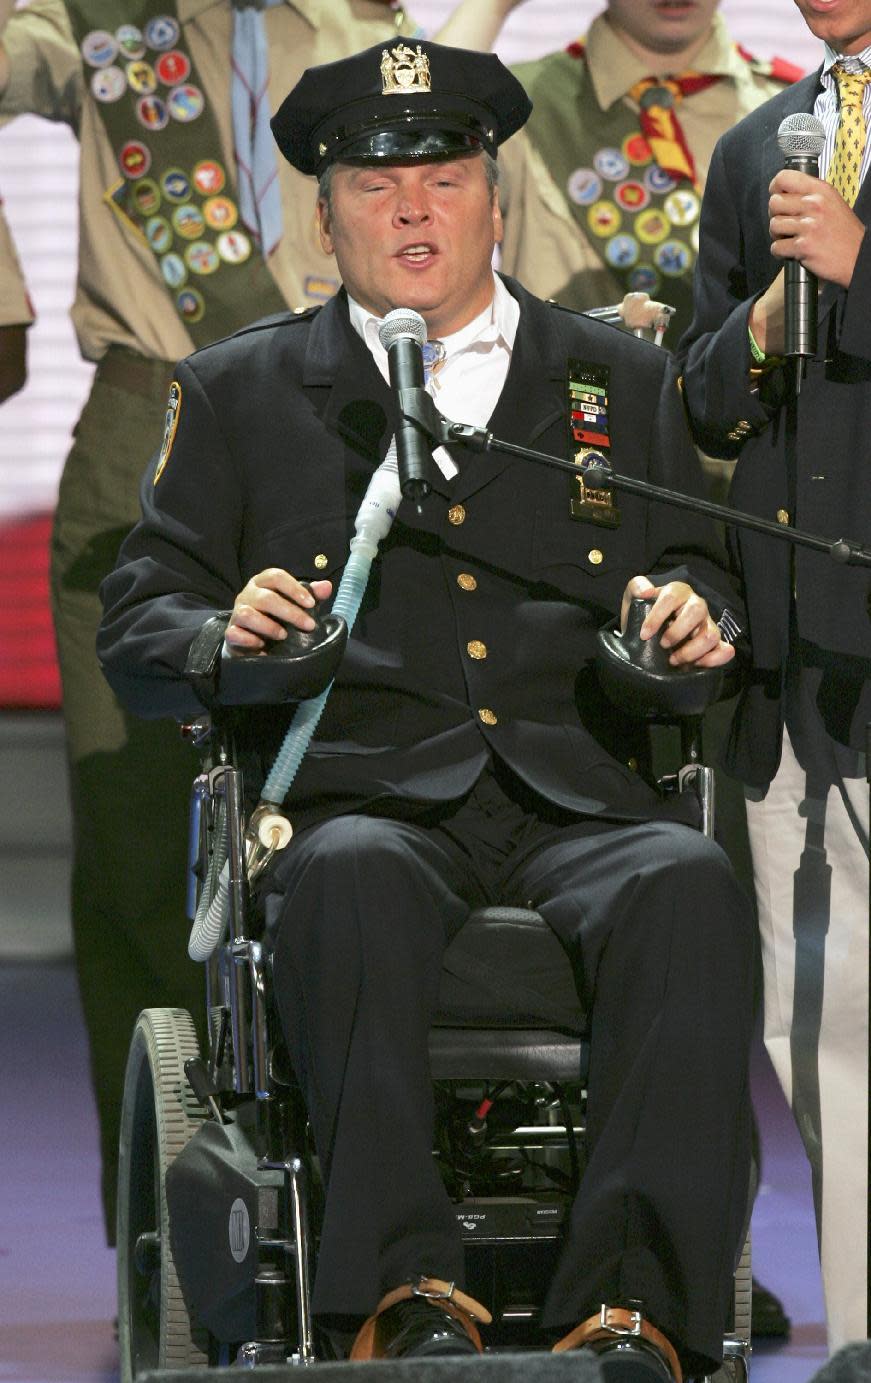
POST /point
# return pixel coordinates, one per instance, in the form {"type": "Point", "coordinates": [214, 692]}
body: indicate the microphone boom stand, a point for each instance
{"type": "Point", "coordinates": [417, 407]}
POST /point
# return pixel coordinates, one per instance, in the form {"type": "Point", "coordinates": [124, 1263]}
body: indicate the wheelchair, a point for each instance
{"type": "Point", "coordinates": [219, 1195]}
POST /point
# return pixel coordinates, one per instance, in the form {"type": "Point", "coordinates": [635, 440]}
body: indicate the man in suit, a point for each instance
{"type": "Point", "coordinates": [464, 754]}
{"type": "Point", "coordinates": [799, 736]}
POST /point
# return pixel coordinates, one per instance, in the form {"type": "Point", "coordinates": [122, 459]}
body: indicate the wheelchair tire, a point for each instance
{"type": "Point", "coordinates": [159, 1115]}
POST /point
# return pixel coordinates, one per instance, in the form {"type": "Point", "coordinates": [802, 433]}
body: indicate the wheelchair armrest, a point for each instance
{"type": "Point", "coordinates": [635, 674]}
{"type": "Point", "coordinates": [291, 669]}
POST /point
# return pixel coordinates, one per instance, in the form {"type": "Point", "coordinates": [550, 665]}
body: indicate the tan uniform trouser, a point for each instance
{"type": "Point", "coordinates": [816, 1012]}
{"type": "Point", "coordinates": [130, 779]}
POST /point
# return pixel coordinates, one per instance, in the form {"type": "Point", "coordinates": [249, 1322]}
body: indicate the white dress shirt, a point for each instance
{"type": "Point", "coordinates": [468, 382]}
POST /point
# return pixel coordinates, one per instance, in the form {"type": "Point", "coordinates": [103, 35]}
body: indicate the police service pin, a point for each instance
{"type": "Point", "coordinates": [589, 503]}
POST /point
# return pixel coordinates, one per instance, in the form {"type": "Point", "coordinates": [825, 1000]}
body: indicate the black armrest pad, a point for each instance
{"type": "Point", "coordinates": [636, 675]}
{"type": "Point", "coordinates": [291, 669]}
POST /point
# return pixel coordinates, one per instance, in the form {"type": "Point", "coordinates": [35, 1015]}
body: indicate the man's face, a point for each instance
{"type": "Point", "coordinates": [844, 24]}
{"type": "Point", "coordinates": [663, 26]}
{"type": "Point", "coordinates": [415, 235]}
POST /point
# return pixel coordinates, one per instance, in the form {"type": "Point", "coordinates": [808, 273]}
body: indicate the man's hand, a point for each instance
{"type": "Point", "coordinates": [475, 23]}
{"type": "Point", "coordinates": [269, 601]}
{"type": "Point", "coordinates": [810, 221]}
{"type": "Point", "coordinates": [640, 312]}
{"type": "Point", "coordinates": [682, 621]}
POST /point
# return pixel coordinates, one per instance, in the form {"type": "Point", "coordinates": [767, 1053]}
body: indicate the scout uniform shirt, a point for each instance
{"type": "Point", "coordinates": [548, 198]}
{"type": "Point", "coordinates": [121, 297]}
{"type": "Point", "coordinates": [15, 306]}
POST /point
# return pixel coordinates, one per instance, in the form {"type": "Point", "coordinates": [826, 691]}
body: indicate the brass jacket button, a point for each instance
{"type": "Point", "coordinates": [476, 649]}
{"type": "Point", "coordinates": [596, 557]}
{"type": "Point", "coordinates": [321, 561]}
{"type": "Point", "coordinates": [456, 514]}
{"type": "Point", "coordinates": [783, 516]}
{"type": "Point", "coordinates": [466, 581]}
{"type": "Point", "coordinates": [489, 717]}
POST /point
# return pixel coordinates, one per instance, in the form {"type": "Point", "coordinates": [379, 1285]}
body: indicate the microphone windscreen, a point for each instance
{"type": "Point", "coordinates": [851, 1364]}
{"type": "Point", "coordinates": [402, 321]}
{"type": "Point", "coordinates": [801, 135]}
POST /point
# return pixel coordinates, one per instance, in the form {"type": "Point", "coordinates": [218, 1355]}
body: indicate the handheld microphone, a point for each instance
{"type": "Point", "coordinates": [801, 138]}
{"type": "Point", "coordinates": [402, 334]}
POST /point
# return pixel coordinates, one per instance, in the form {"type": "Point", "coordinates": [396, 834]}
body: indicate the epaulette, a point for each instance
{"type": "Point", "coordinates": [279, 319]}
{"type": "Point", "coordinates": [775, 69]}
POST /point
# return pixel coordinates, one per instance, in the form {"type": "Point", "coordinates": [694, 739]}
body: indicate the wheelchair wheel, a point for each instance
{"type": "Point", "coordinates": [158, 1116]}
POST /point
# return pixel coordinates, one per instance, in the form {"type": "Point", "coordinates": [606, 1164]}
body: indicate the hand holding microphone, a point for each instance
{"type": "Point", "coordinates": [801, 138]}
{"type": "Point", "coordinates": [815, 234]}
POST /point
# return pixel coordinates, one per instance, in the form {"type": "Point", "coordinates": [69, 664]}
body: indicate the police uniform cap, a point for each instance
{"type": "Point", "coordinates": [399, 102]}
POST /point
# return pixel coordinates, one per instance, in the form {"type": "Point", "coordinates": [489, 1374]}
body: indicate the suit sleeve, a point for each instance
{"type": "Point", "coordinates": [855, 333]}
{"type": "Point", "coordinates": [681, 545]}
{"type": "Point", "coordinates": [179, 566]}
{"type": "Point", "coordinates": [714, 355]}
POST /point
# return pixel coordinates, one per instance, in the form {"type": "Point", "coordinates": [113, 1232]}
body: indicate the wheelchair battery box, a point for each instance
{"type": "Point", "coordinates": [507, 1219]}
{"type": "Point", "coordinates": [219, 1202]}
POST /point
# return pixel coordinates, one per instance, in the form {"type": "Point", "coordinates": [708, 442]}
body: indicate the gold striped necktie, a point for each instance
{"type": "Point", "coordinates": [846, 166]}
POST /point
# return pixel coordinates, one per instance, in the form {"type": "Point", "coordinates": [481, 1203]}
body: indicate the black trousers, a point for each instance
{"type": "Point", "coordinates": [662, 940]}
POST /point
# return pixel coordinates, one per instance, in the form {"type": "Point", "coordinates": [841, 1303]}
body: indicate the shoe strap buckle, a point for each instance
{"type": "Point", "coordinates": [629, 1324]}
{"type": "Point", "coordinates": [432, 1290]}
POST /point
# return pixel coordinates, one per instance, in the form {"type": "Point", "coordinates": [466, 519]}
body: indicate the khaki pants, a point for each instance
{"type": "Point", "coordinates": [815, 959]}
{"type": "Point", "coordinates": [130, 779]}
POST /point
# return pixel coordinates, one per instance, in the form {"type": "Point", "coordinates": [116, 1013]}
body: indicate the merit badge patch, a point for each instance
{"type": "Point", "coordinates": [173, 412]}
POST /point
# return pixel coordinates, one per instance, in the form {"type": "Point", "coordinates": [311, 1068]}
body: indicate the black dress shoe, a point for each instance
{"type": "Point", "coordinates": [631, 1361]}
{"type": "Point", "coordinates": [629, 1347]}
{"type": "Point", "coordinates": [768, 1320]}
{"type": "Point", "coordinates": [416, 1327]}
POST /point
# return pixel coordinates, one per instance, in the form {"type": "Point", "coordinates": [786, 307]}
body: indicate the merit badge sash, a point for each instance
{"type": "Point", "coordinates": [643, 220]}
{"type": "Point", "coordinates": [173, 191]}
{"type": "Point", "coordinates": [590, 441]}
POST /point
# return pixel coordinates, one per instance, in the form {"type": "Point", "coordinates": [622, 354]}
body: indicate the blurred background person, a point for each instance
{"type": "Point", "coordinates": [189, 229]}
{"type": "Point", "coordinates": [601, 191]}
{"type": "Point", "coordinates": [799, 736]}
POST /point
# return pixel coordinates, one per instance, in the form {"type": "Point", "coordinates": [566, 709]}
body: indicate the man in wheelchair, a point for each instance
{"type": "Point", "coordinates": [465, 754]}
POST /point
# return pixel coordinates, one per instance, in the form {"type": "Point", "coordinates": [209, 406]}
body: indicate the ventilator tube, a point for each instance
{"type": "Point", "coordinates": [372, 524]}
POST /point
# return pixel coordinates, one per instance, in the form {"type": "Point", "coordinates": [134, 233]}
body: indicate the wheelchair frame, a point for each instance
{"type": "Point", "coordinates": [242, 1068]}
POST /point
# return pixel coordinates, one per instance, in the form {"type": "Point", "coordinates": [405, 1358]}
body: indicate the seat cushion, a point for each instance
{"type": "Point", "coordinates": [506, 969]}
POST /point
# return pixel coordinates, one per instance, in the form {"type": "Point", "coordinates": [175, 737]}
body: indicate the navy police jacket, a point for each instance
{"type": "Point", "coordinates": [477, 632]}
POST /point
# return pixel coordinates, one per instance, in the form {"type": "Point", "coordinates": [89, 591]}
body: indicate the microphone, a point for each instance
{"type": "Point", "coordinates": [402, 334]}
{"type": "Point", "coordinates": [801, 138]}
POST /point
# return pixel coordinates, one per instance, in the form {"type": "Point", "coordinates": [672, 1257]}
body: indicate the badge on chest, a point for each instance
{"type": "Point", "coordinates": [590, 441]}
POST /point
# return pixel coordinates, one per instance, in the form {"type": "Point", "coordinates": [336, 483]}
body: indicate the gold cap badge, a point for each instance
{"type": "Point", "coordinates": [404, 69]}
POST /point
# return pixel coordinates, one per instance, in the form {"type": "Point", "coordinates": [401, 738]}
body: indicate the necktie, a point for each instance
{"type": "Point", "coordinates": [846, 165]}
{"type": "Point", "coordinates": [658, 97]}
{"type": "Point", "coordinates": [256, 154]}
{"type": "Point", "coordinates": [433, 358]}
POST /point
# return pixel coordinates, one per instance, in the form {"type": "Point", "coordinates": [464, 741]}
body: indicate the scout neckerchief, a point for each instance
{"type": "Point", "coordinates": [643, 215]}
{"type": "Point", "coordinates": [172, 191]}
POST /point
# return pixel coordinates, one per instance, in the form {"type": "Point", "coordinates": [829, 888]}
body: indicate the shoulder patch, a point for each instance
{"type": "Point", "coordinates": [775, 69]}
{"type": "Point", "coordinates": [173, 412]}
